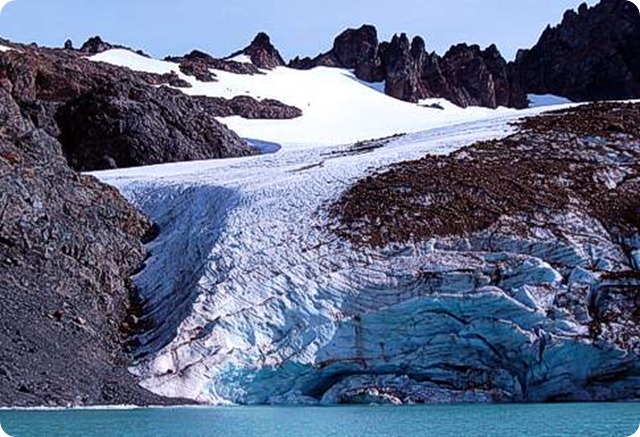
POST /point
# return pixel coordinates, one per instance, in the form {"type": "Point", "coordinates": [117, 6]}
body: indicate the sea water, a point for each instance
{"type": "Point", "coordinates": [557, 420]}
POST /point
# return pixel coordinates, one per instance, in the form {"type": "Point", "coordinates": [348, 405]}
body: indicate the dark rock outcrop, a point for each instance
{"type": "Point", "coordinates": [469, 76]}
{"type": "Point", "coordinates": [354, 49]}
{"type": "Point", "coordinates": [127, 124]}
{"type": "Point", "coordinates": [68, 245]}
{"type": "Point", "coordinates": [402, 63]}
{"type": "Point", "coordinates": [262, 53]}
{"type": "Point", "coordinates": [465, 75]}
{"type": "Point", "coordinates": [248, 107]}
{"type": "Point", "coordinates": [95, 45]}
{"type": "Point", "coordinates": [594, 54]}
{"type": "Point", "coordinates": [199, 65]}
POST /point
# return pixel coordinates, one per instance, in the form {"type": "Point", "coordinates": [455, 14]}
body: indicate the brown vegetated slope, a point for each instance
{"type": "Point", "coordinates": [586, 158]}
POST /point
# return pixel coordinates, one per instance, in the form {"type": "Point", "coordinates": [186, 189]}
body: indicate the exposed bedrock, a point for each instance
{"type": "Point", "coordinates": [68, 245]}
{"type": "Point", "coordinates": [126, 124]}
{"type": "Point", "coordinates": [593, 54]}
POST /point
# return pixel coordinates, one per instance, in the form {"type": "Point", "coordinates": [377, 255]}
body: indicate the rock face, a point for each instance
{"type": "Point", "coordinates": [353, 49]}
{"type": "Point", "coordinates": [594, 54]}
{"type": "Point", "coordinates": [262, 53]}
{"type": "Point", "coordinates": [68, 245]}
{"type": "Point", "coordinates": [127, 120]}
{"type": "Point", "coordinates": [474, 77]}
{"type": "Point", "coordinates": [466, 75]}
{"type": "Point", "coordinates": [126, 124]}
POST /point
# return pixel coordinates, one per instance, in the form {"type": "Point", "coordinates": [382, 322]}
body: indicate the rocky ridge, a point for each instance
{"type": "Point", "coordinates": [465, 75]}
{"type": "Point", "coordinates": [130, 118]}
{"type": "Point", "coordinates": [592, 55]}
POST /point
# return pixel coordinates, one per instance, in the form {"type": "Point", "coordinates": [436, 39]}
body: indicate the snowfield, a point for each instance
{"type": "Point", "coordinates": [337, 107]}
{"type": "Point", "coordinates": [254, 300]}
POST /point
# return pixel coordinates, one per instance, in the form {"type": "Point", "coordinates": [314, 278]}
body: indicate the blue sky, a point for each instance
{"type": "Point", "coordinates": [297, 27]}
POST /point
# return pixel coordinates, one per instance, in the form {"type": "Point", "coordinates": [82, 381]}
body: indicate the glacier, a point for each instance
{"type": "Point", "coordinates": [251, 299]}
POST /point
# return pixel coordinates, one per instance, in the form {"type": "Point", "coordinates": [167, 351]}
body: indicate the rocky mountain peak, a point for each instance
{"type": "Point", "coordinates": [418, 46]}
{"type": "Point", "coordinates": [95, 45]}
{"type": "Point", "coordinates": [593, 54]}
{"type": "Point", "coordinates": [355, 46]}
{"type": "Point", "coordinates": [198, 55]}
{"type": "Point", "coordinates": [262, 52]}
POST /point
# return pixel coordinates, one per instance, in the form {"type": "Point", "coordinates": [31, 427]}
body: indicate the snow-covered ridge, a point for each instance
{"type": "Point", "coordinates": [337, 108]}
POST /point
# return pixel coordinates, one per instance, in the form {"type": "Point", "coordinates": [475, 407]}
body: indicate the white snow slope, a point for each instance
{"type": "Point", "coordinates": [337, 108]}
{"type": "Point", "coordinates": [271, 307]}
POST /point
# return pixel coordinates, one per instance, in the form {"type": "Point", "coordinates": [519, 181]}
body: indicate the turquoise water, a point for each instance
{"type": "Point", "coordinates": [618, 420]}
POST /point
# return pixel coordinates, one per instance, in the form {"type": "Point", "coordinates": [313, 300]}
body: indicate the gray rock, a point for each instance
{"type": "Point", "coordinates": [594, 54]}
{"type": "Point", "coordinates": [127, 124]}
{"type": "Point", "coordinates": [68, 245]}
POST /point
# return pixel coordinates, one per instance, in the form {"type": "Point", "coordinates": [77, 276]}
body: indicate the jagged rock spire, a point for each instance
{"type": "Point", "coordinates": [262, 52]}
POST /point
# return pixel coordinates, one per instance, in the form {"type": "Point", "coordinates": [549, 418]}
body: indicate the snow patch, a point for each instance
{"type": "Point", "coordinates": [243, 59]}
{"type": "Point", "coordinates": [540, 100]}
{"type": "Point", "coordinates": [134, 61]}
